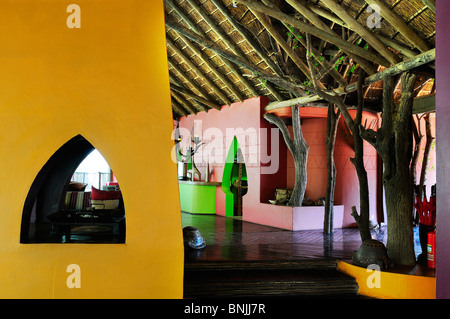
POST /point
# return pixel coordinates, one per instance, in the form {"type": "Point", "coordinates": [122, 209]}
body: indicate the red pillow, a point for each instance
{"type": "Point", "coordinates": [104, 195]}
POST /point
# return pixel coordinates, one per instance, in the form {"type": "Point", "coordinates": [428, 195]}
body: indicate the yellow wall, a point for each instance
{"type": "Point", "coordinates": [107, 81]}
{"type": "Point", "coordinates": [390, 285]}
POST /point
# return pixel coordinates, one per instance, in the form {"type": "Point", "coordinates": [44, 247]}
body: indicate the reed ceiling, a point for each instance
{"type": "Point", "coordinates": [225, 51]}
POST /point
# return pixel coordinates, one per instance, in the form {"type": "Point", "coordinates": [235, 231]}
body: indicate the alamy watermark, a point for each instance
{"type": "Point", "coordinates": [74, 18]}
{"type": "Point", "coordinates": [374, 279]}
{"type": "Point", "coordinates": [74, 279]}
{"type": "Point", "coordinates": [212, 145]}
{"type": "Point", "coordinates": [373, 21]}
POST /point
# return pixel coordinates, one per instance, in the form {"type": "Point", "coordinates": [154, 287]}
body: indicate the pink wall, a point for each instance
{"type": "Point", "coordinates": [255, 137]}
{"type": "Point", "coordinates": [431, 167]}
{"type": "Point", "coordinates": [240, 119]}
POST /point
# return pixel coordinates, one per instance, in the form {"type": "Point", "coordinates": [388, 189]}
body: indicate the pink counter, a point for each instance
{"type": "Point", "coordinates": [293, 218]}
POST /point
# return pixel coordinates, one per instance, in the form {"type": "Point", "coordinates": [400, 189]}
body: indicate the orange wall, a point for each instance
{"type": "Point", "coordinates": [314, 131]}
{"type": "Point", "coordinates": [347, 186]}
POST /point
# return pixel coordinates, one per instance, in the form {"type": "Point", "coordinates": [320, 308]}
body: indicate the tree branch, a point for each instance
{"type": "Point", "coordinates": [278, 122]}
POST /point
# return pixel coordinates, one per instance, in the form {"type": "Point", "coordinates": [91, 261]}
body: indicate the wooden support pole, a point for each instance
{"type": "Point", "coordinates": [400, 25]}
{"type": "Point", "coordinates": [426, 152]}
{"type": "Point", "coordinates": [299, 150]}
{"type": "Point", "coordinates": [332, 125]}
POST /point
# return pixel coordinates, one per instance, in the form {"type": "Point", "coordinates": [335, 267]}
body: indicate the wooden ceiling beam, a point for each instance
{"type": "Point", "coordinates": [238, 74]}
{"type": "Point", "coordinates": [424, 104]}
{"type": "Point", "coordinates": [183, 102]}
{"type": "Point", "coordinates": [419, 60]}
{"type": "Point", "coordinates": [211, 66]}
{"type": "Point", "coordinates": [213, 25]}
{"type": "Point", "coordinates": [389, 42]}
{"type": "Point", "coordinates": [431, 4]}
{"type": "Point", "coordinates": [230, 65]}
{"type": "Point", "coordinates": [194, 96]}
{"type": "Point", "coordinates": [362, 31]}
{"type": "Point", "coordinates": [194, 84]}
{"type": "Point", "coordinates": [315, 20]}
{"type": "Point", "coordinates": [183, 16]}
{"type": "Point", "coordinates": [199, 73]}
{"type": "Point", "coordinates": [224, 37]}
{"type": "Point", "coordinates": [305, 27]}
{"type": "Point", "coordinates": [286, 47]}
{"type": "Point", "coordinates": [316, 54]}
{"type": "Point", "coordinates": [290, 85]}
{"type": "Point", "coordinates": [190, 101]}
{"type": "Point", "coordinates": [178, 108]}
{"type": "Point", "coordinates": [243, 32]}
{"type": "Point", "coordinates": [229, 43]}
{"type": "Point", "coordinates": [400, 26]}
{"type": "Point", "coordinates": [326, 65]}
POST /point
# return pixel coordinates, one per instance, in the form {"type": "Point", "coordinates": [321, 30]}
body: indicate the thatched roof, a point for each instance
{"type": "Point", "coordinates": [224, 51]}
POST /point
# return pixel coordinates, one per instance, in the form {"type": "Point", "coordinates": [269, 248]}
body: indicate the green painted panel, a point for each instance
{"type": "Point", "coordinates": [230, 174]}
{"type": "Point", "coordinates": [197, 199]}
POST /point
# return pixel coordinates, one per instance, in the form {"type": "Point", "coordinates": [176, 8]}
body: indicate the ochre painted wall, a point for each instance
{"type": "Point", "coordinates": [107, 81]}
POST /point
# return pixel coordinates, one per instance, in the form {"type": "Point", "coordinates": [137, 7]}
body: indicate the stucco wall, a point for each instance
{"type": "Point", "coordinates": [107, 81]}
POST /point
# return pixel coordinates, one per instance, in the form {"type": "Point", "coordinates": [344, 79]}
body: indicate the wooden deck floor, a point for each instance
{"type": "Point", "coordinates": [244, 259]}
{"type": "Point", "coordinates": [233, 239]}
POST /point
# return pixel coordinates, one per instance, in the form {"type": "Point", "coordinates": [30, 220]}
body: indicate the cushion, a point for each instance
{"type": "Point", "coordinates": [105, 199]}
{"type": "Point", "coordinates": [76, 186]}
{"type": "Point", "coordinates": [77, 200]}
{"type": "Point", "coordinates": [105, 204]}
{"type": "Point", "coordinates": [104, 195]}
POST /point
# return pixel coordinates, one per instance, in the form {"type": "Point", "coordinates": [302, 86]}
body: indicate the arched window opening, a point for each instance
{"type": "Point", "coordinates": [75, 198]}
{"type": "Point", "coordinates": [94, 171]}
